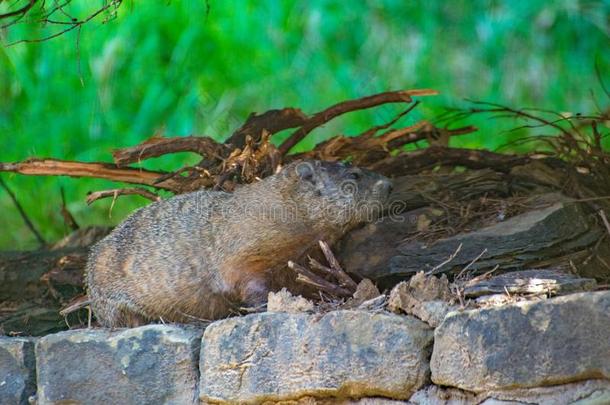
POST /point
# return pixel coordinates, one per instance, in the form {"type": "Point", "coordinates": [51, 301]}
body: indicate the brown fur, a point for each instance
{"type": "Point", "coordinates": [200, 256]}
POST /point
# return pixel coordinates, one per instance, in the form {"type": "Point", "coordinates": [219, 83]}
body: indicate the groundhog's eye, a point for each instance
{"type": "Point", "coordinates": [353, 176]}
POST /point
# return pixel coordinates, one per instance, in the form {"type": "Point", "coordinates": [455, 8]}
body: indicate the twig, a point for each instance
{"type": "Point", "coordinates": [19, 12]}
{"type": "Point", "coordinates": [114, 193]}
{"type": "Point", "coordinates": [372, 131]}
{"type": "Point", "coordinates": [605, 220]}
{"type": "Point", "coordinates": [308, 277]}
{"type": "Point", "coordinates": [471, 263]}
{"type": "Point", "coordinates": [481, 277]}
{"type": "Point", "coordinates": [77, 303]}
{"type": "Point", "coordinates": [65, 213]}
{"type": "Point", "coordinates": [72, 23]}
{"type": "Point", "coordinates": [398, 139]}
{"type": "Point", "coordinates": [336, 274]}
{"type": "Point", "coordinates": [436, 268]}
{"type": "Point", "coordinates": [337, 271]}
{"type": "Point", "coordinates": [520, 113]}
{"type": "Point", "coordinates": [26, 219]}
{"type": "Point", "coordinates": [322, 117]}
{"type": "Point", "coordinates": [187, 169]}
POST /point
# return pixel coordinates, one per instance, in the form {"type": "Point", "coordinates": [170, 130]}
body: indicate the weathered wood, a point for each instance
{"type": "Point", "coordinates": [21, 272]}
{"type": "Point", "coordinates": [428, 158]}
{"type": "Point", "coordinates": [367, 250]}
{"type": "Point", "coordinates": [57, 167]}
{"type": "Point", "coordinates": [35, 285]}
{"type": "Point", "coordinates": [37, 318]}
{"type": "Point", "coordinates": [271, 121]}
{"type": "Point", "coordinates": [504, 242]}
{"type": "Point", "coordinates": [535, 281]}
{"type": "Point", "coordinates": [561, 234]}
{"type": "Point", "coordinates": [415, 191]}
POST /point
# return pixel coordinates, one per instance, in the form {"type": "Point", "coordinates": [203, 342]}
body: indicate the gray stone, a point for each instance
{"type": "Point", "coordinates": [153, 364]}
{"type": "Point", "coordinates": [341, 354]}
{"type": "Point", "coordinates": [591, 392]}
{"type": "Point", "coordinates": [527, 344]}
{"type": "Point", "coordinates": [17, 370]}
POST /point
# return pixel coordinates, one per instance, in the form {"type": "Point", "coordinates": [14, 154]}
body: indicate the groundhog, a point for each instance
{"type": "Point", "coordinates": [201, 256]}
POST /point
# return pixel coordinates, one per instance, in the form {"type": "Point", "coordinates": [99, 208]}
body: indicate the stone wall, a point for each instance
{"type": "Point", "coordinates": [553, 351]}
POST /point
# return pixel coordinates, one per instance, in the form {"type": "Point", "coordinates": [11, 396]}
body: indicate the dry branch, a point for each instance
{"type": "Point", "coordinates": [96, 195]}
{"type": "Point", "coordinates": [318, 119]}
{"type": "Point", "coordinates": [366, 149]}
{"type": "Point", "coordinates": [336, 269]}
{"type": "Point", "coordinates": [343, 286]}
{"type": "Point", "coordinates": [108, 171]}
{"type": "Point", "coordinates": [247, 156]}
{"type": "Point", "coordinates": [308, 277]}
{"type": "Point", "coordinates": [272, 121]}
{"type": "Point", "coordinates": [157, 146]}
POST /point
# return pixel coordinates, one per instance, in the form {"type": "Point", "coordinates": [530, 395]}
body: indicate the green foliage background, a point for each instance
{"type": "Point", "coordinates": [174, 68]}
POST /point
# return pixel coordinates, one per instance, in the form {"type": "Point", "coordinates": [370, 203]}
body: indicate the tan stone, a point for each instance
{"type": "Point", "coordinates": [341, 354]}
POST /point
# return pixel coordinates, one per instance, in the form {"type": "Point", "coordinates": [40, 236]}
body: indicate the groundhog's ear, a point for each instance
{"type": "Point", "coordinates": [305, 171]}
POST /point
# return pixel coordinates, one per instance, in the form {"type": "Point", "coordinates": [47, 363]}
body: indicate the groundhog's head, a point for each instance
{"type": "Point", "coordinates": [339, 192]}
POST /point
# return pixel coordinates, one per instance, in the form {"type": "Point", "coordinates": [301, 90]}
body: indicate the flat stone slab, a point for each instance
{"type": "Point", "coordinates": [533, 281]}
{"type": "Point", "coordinates": [590, 392]}
{"type": "Point", "coordinates": [154, 364]}
{"type": "Point", "coordinates": [341, 354]}
{"type": "Point", "coordinates": [528, 344]}
{"type": "Point", "coordinates": [17, 370]}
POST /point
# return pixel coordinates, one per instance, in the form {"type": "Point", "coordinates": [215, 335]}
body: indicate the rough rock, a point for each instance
{"type": "Point", "coordinates": [153, 364]}
{"type": "Point", "coordinates": [587, 392]}
{"type": "Point", "coordinates": [426, 297]}
{"type": "Point", "coordinates": [527, 344]}
{"type": "Point", "coordinates": [17, 370]}
{"type": "Point", "coordinates": [366, 293]}
{"type": "Point", "coordinates": [284, 301]}
{"type": "Point", "coordinates": [341, 354]}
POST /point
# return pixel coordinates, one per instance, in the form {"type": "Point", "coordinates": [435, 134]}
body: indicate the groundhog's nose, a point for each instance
{"type": "Point", "coordinates": [384, 188]}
